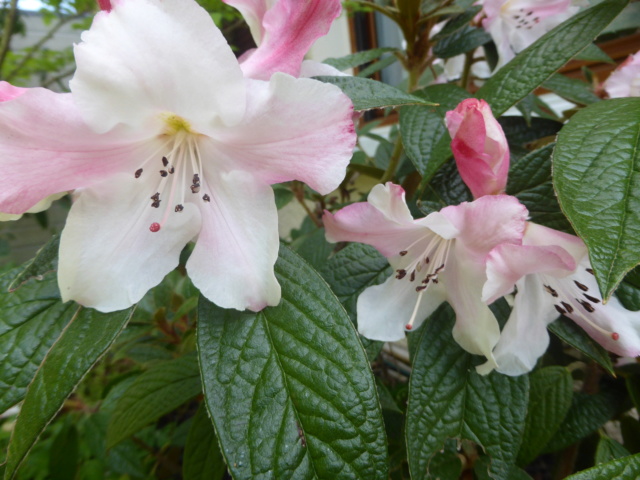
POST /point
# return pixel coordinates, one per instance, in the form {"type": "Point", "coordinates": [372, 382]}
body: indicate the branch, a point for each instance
{"type": "Point", "coordinates": [7, 31]}
{"type": "Point", "coordinates": [58, 77]}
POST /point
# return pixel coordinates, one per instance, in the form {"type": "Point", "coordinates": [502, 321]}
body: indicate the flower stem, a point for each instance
{"type": "Point", "coordinates": [298, 192]}
{"type": "Point", "coordinates": [7, 30]}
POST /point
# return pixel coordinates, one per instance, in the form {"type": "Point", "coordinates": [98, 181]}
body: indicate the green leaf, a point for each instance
{"type": "Point", "coordinates": [530, 181]}
{"type": "Point", "coordinates": [531, 67]}
{"type": "Point", "coordinates": [45, 261]}
{"type": "Point", "coordinates": [202, 457]}
{"type": "Point", "coordinates": [158, 391]}
{"type": "Point", "coordinates": [367, 94]}
{"type": "Point", "coordinates": [570, 333]}
{"type": "Point", "coordinates": [289, 388]}
{"type": "Point", "coordinates": [482, 465]}
{"type": "Point", "coordinates": [32, 318]}
{"type": "Point", "coordinates": [597, 176]}
{"type": "Point", "coordinates": [627, 468]}
{"type": "Point", "coordinates": [357, 59]}
{"type": "Point", "coordinates": [349, 273]}
{"type": "Point", "coordinates": [608, 449]}
{"type": "Point", "coordinates": [83, 342]}
{"type": "Point", "coordinates": [461, 41]}
{"type": "Point", "coordinates": [63, 458]}
{"type": "Point", "coordinates": [424, 134]}
{"type": "Point", "coordinates": [313, 247]}
{"type": "Point", "coordinates": [550, 396]}
{"type": "Point", "coordinates": [593, 53]}
{"type": "Point", "coordinates": [456, 23]}
{"type": "Point", "coordinates": [448, 399]}
{"type": "Point", "coordinates": [586, 414]}
{"type": "Point", "coordinates": [283, 195]}
{"type": "Point", "coordinates": [575, 91]}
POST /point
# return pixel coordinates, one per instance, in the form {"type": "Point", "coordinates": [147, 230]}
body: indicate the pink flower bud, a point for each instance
{"type": "Point", "coordinates": [479, 147]}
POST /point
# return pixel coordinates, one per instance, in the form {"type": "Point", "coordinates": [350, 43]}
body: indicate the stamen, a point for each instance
{"type": "Point", "coordinates": [403, 253]}
{"type": "Point", "coordinates": [413, 276]}
{"type": "Point", "coordinates": [551, 291]}
{"type": "Point", "coordinates": [587, 306]}
{"type": "Point", "coordinates": [206, 198]}
{"type": "Point", "coordinates": [165, 162]}
{"type": "Point", "coordinates": [195, 188]}
{"type": "Point", "coordinates": [567, 306]}
{"type": "Point", "coordinates": [138, 173]}
{"type": "Point", "coordinates": [426, 261]}
{"type": "Point", "coordinates": [155, 196]}
{"type": "Point", "coordinates": [172, 170]}
{"type": "Point", "coordinates": [401, 274]}
{"type": "Point", "coordinates": [156, 204]}
{"type": "Point", "coordinates": [591, 299]}
{"type": "Point", "coordinates": [409, 325]}
{"type": "Point", "coordinates": [590, 270]}
{"type": "Point", "coordinates": [179, 208]}
{"type": "Point", "coordinates": [560, 310]}
{"type": "Point", "coordinates": [421, 287]}
{"type": "Point", "coordinates": [163, 173]}
{"type": "Point", "coordinates": [581, 286]}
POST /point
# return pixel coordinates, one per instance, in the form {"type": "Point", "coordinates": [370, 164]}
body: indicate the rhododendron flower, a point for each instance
{"type": "Point", "coordinates": [284, 31]}
{"type": "Point", "coordinates": [516, 24]}
{"type": "Point", "coordinates": [437, 258]}
{"type": "Point", "coordinates": [41, 206]}
{"type": "Point", "coordinates": [552, 273]}
{"type": "Point", "coordinates": [624, 81]}
{"type": "Point", "coordinates": [479, 147]}
{"type": "Point", "coordinates": [164, 141]}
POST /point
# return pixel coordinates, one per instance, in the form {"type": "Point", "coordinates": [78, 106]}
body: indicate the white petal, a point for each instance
{"type": "Point", "coordinates": [148, 57]}
{"type": "Point", "coordinates": [232, 263]}
{"type": "Point", "coordinates": [108, 256]}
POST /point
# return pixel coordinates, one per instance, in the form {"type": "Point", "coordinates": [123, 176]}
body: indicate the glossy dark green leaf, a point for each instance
{"type": "Point", "coordinates": [456, 23]}
{"type": "Point", "coordinates": [593, 53]}
{"type": "Point", "coordinates": [573, 90]}
{"type": "Point", "coordinates": [627, 468]}
{"type": "Point", "coordinates": [82, 343]}
{"type": "Point", "coordinates": [63, 457]}
{"type": "Point", "coordinates": [483, 464]}
{"type": "Point", "coordinates": [550, 396]}
{"type": "Point", "coordinates": [313, 247]}
{"type": "Point", "coordinates": [530, 181]}
{"type": "Point", "coordinates": [289, 389]}
{"type": "Point", "coordinates": [531, 67]}
{"type": "Point", "coordinates": [597, 176]}
{"type": "Point", "coordinates": [31, 319]}
{"type": "Point", "coordinates": [461, 41]}
{"type": "Point", "coordinates": [586, 414]}
{"type": "Point", "coordinates": [570, 333]}
{"type": "Point", "coordinates": [45, 261]}
{"type": "Point", "coordinates": [448, 399]}
{"type": "Point", "coordinates": [367, 94]}
{"type": "Point", "coordinates": [357, 59]}
{"type": "Point", "coordinates": [608, 449]}
{"type": "Point", "coordinates": [158, 391]}
{"type": "Point", "coordinates": [424, 134]}
{"type": "Point", "coordinates": [202, 457]}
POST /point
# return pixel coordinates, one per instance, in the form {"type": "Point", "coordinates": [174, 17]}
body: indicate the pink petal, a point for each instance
{"type": "Point", "coordinates": [108, 256]}
{"type": "Point", "coordinates": [232, 263]}
{"type": "Point", "coordinates": [253, 12]}
{"type": "Point", "coordinates": [46, 148]}
{"type": "Point", "coordinates": [540, 236]}
{"type": "Point", "coordinates": [150, 57]}
{"type": "Point", "coordinates": [479, 147]}
{"type": "Point", "coordinates": [488, 222]}
{"type": "Point", "coordinates": [291, 27]}
{"type": "Point", "coordinates": [624, 81]}
{"type": "Point", "coordinates": [298, 129]}
{"type": "Point", "coordinates": [105, 5]}
{"type": "Point", "coordinates": [8, 91]}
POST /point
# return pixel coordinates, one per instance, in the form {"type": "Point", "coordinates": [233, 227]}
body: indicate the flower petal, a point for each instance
{"type": "Point", "coordinates": [232, 263]}
{"type": "Point", "coordinates": [46, 148]}
{"type": "Point", "coordinates": [148, 57]}
{"type": "Point", "coordinates": [253, 12]}
{"type": "Point", "coordinates": [108, 257]}
{"type": "Point", "coordinates": [294, 129]}
{"type": "Point", "coordinates": [291, 27]}
{"type": "Point", "coordinates": [8, 91]}
{"type": "Point", "coordinates": [384, 310]}
{"type": "Point", "coordinates": [311, 68]}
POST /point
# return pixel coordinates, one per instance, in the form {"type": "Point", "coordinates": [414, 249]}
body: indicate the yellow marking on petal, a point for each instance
{"type": "Point", "coordinates": [175, 124]}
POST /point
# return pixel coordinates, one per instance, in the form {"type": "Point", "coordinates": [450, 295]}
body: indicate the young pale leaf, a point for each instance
{"type": "Point", "coordinates": [424, 134]}
{"type": "Point", "coordinates": [596, 172]}
{"type": "Point", "coordinates": [627, 468]}
{"type": "Point", "coordinates": [289, 388]}
{"type": "Point", "coordinates": [550, 396]}
{"type": "Point", "coordinates": [158, 391]}
{"type": "Point", "coordinates": [31, 320]}
{"type": "Point", "coordinates": [357, 59]}
{"type": "Point", "coordinates": [82, 343]}
{"type": "Point", "coordinates": [570, 333]}
{"type": "Point", "coordinates": [608, 449]}
{"type": "Point", "coordinates": [531, 67]}
{"type": "Point", "coordinates": [202, 457]}
{"type": "Point", "coordinates": [530, 181]}
{"type": "Point", "coordinates": [367, 94]}
{"type": "Point", "coordinates": [448, 399]}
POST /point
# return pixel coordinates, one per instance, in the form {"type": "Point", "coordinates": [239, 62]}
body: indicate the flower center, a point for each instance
{"type": "Point", "coordinates": [521, 18]}
{"type": "Point", "coordinates": [179, 166]}
{"type": "Point", "coordinates": [573, 298]}
{"type": "Point", "coordinates": [425, 265]}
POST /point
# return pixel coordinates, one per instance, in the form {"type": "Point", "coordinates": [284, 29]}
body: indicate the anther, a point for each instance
{"type": "Point", "coordinates": [165, 162]}
{"type": "Point", "coordinates": [163, 173]}
{"type": "Point", "coordinates": [138, 173]}
{"type": "Point", "coordinates": [156, 204]}
{"type": "Point", "coordinates": [560, 310]}
{"type": "Point", "coordinates": [401, 274]}
{"type": "Point", "coordinates": [155, 196]}
{"type": "Point", "coordinates": [567, 306]}
{"type": "Point", "coordinates": [615, 336]}
{"type": "Point", "coordinates": [413, 276]}
{"type": "Point", "coordinates": [441, 267]}
{"type": "Point", "coordinates": [590, 270]}
{"type": "Point", "coordinates": [206, 198]}
{"type": "Point", "coordinates": [179, 208]}
{"type": "Point", "coordinates": [587, 306]}
{"type": "Point", "coordinates": [195, 188]}
{"type": "Point", "coordinates": [426, 261]}
{"type": "Point", "coordinates": [155, 227]}
{"type": "Point", "coordinates": [403, 253]}
{"type": "Point", "coordinates": [551, 291]}
{"type": "Point", "coordinates": [172, 170]}
{"type": "Point", "coordinates": [196, 179]}
{"type": "Point", "coordinates": [582, 287]}
{"type": "Point", "coordinates": [591, 299]}
{"type": "Point", "coordinates": [420, 288]}
{"type": "Point", "coordinates": [435, 280]}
